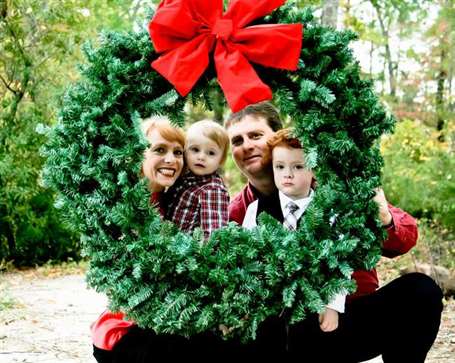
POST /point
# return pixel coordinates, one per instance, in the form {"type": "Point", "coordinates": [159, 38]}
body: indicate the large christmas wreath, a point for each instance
{"type": "Point", "coordinates": [167, 280]}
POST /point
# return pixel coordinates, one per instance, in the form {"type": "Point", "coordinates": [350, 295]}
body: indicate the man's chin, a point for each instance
{"type": "Point", "coordinates": [253, 169]}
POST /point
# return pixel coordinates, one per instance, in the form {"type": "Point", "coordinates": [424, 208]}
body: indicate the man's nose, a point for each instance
{"type": "Point", "coordinates": [247, 144]}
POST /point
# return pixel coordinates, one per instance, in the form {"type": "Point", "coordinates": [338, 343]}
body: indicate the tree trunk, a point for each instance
{"type": "Point", "coordinates": [388, 54]}
{"type": "Point", "coordinates": [442, 75]}
{"type": "Point", "coordinates": [330, 13]}
{"type": "Point", "coordinates": [371, 58]}
{"type": "Point", "coordinates": [3, 9]}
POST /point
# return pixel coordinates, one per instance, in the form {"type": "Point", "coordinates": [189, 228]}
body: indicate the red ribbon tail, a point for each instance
{"type": "Point", "coordinates": [238, 79]}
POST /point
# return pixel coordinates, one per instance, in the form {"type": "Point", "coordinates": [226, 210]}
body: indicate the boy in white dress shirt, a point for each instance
{"type": "Point", "coordinates": [293, 181]}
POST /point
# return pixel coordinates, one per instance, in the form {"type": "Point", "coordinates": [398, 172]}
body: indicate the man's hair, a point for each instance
{"type": "Point", "coordinates": [263, 109]}
{"type": "Point", "coordinates": [284, 137]}
{"type": "Point", "coordinates": [214, 132]}
{"type": "Point", "coordinates": [165, 128]}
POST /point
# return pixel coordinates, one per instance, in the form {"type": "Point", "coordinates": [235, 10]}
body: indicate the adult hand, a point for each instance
{"type": "Point", "coordinates": [384, 214]}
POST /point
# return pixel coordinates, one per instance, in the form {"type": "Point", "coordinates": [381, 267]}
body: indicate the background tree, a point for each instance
{"type": "Point", "coordinates": [39, 48]}
{"type": "Point", "coordinates": [329, 15]}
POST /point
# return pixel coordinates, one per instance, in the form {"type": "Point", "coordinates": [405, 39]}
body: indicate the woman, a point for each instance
{"type": "Point", "coordinates": [117, 340]}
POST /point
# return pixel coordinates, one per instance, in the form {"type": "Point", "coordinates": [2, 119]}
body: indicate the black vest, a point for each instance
{"type": "Point", "coordinates": [270, 204]}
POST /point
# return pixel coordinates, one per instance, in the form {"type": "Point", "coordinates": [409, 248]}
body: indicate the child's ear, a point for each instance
{"type": "Point", "coordinates": [314, 182]}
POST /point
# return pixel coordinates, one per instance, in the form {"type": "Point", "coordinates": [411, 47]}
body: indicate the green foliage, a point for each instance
{"type": "Point", "coordinates": [419, 173]}
{"type": "Point", "coordinates": [167, 280]}
{"type": "Point", "coordinates": [39, 48]}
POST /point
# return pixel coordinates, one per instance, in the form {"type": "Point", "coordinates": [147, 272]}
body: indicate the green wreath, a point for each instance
{"type": "Point", "coordinates": [165, 279]}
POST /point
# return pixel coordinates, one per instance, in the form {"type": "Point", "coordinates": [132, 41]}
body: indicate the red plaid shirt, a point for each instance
{"type": "Point", "coordinates": [198, 201]}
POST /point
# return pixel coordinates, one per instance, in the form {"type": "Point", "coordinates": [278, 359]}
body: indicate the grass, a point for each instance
{"type": "Point", "coordinates": [49, 269]}
{"type": "Point", "coordinates": [7, 302]}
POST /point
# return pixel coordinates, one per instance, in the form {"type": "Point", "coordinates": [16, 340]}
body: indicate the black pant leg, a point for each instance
{"type": "Point", "coordinates": [102, 356]}
{"type": "Point", "coordinates": [144, 346]}
{"type": "Point", "coordinates": [399, 321]}
{"type": "Point", "coordinates": [419, 306]}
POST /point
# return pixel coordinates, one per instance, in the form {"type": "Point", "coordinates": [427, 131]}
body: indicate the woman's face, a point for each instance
{"type": "Point", "coordinates": [163, 161]}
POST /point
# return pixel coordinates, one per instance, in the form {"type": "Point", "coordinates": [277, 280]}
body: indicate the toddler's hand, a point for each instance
{"type": "Point", "coordinates": [328, 320]}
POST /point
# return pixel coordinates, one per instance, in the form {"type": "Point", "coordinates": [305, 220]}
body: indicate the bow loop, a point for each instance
{"type": "Point", "coordinates": [243, 12]}
{"type": "Point", "coordinates": [188, 30]}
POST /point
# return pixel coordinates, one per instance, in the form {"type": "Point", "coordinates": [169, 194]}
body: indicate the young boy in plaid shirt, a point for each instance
{"type": "Point", "coordinates": [200, 198]}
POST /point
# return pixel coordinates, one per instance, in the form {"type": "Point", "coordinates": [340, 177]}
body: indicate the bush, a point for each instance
{"type": "Point", "coordinates": [31, 231]}
{"type": "Point", "coordinates": [419, 172]}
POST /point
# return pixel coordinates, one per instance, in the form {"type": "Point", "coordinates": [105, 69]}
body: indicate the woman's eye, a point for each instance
{"type": "Point", "coordinates": [159, 150]}
{"type": "Point", "coordinates": [178, 152]}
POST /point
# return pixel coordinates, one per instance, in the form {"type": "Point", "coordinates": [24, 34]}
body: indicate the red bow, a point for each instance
{"type": "Point", "coordinates": [187, 31]}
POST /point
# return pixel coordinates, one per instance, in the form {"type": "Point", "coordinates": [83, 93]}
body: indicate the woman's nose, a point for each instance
{"type": "Point", "coordinates": [169, 157]}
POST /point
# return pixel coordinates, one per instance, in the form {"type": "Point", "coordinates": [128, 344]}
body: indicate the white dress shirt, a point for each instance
{"type": "Point", "coordinates": [249, 222]}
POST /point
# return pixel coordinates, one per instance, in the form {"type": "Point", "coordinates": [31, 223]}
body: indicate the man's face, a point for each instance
{"type": "Point", "coordinates": [289, 172]}
{"type": "Point", "coordinates": [248, 139]}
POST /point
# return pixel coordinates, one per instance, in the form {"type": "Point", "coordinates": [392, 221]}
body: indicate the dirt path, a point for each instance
{"type": "Point", "coordinates": [45, 319]}
{"type": "Point", "coordinates": [49, 320]}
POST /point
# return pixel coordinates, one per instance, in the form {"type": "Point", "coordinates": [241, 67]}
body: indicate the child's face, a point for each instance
{"type": "Point", "coordinates": [291, 176]}
{"type": "Point", "coordinates": [203, 155]}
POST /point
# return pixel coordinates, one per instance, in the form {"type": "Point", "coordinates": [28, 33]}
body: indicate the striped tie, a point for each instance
{"type": "Point", "coordinates": [290, 220]}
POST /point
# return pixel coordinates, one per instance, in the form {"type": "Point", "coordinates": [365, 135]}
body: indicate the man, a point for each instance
{"type": "Point", "coordinates": [398, 321]}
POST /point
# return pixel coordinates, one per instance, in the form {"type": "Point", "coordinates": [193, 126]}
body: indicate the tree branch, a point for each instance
{"type": "Point", "coordinates": [8, 85]}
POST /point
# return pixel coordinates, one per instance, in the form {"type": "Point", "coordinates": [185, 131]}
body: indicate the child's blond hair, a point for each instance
{"type": "Point", "coordinates": [214, 132]}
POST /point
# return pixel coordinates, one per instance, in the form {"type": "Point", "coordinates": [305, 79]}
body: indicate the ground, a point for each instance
{"type": "Point", "coordinates": [45, 316]}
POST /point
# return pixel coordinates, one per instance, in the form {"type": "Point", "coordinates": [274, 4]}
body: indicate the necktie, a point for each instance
{"type": "Point", "coordinates": [290, 220]}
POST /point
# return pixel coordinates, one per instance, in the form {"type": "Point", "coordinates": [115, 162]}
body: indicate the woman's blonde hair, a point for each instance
{"type": "Point", "coordinates": [167, 131]}
{"type": "Point", "coordinates": [214, 132]}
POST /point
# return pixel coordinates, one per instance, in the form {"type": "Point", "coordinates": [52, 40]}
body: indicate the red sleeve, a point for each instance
{"type": "Point", "coordinates": [240, 203]}
{"type": "Point", "coordinates": [214, 202]}
{"type": "Point", "coordinates": [402, 236]}
{"type": "Point", "coordinates": [237, 209]}
{"type": "Point", "coordinates": [108, 329]}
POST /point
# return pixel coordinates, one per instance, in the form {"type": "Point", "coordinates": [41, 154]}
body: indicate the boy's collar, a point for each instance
{"type": "Point", "coordinates": [302, 203]}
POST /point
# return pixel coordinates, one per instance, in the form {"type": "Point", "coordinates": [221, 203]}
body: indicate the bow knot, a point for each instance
{"type": "Point", "coordinates": [223, 28]}
{"type": "Point", "coordinates": [187, 31]}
